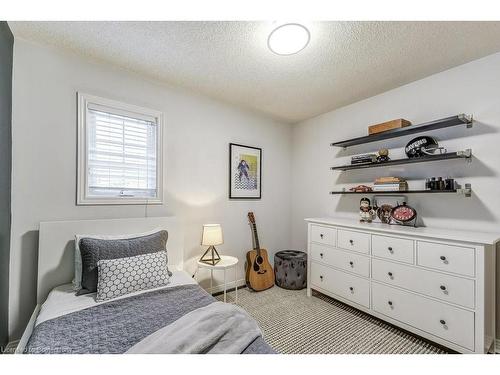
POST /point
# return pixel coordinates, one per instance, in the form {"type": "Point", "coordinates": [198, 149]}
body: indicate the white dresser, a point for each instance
{"type": "Point", "coordinates": [436, 283]}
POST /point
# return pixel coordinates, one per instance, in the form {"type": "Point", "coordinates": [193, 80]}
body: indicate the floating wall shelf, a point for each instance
{"type": "Point", "coordinates": [412, 129]}
{"type": "Point", "coordinates": [465, 154]}
{"type": "Point", "coordinates": [466, 191]}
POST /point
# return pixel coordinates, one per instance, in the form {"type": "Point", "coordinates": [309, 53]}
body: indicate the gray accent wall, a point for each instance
{"type": "Point", "coordinates": [6, 48]}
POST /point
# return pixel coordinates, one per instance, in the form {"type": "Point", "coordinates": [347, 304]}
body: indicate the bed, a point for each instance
{"type": "Point", "coordinates": [179, 317]}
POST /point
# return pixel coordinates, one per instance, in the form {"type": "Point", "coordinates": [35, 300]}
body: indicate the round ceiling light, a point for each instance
{"type": "Point", "coordinates": [288, 39]}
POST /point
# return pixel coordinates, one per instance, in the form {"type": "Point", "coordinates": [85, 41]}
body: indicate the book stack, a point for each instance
{"type": "Point", "coordinates": [362, 159]}
{"type": "Point", "coordinates": [390, 184]}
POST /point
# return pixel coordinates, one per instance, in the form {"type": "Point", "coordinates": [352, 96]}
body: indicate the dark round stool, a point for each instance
{"type": "Point", "coordinates": [290, 269]}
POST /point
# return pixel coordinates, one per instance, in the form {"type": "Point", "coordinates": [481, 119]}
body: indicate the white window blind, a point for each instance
{"type": "Point", "coordinates": [121, 154]}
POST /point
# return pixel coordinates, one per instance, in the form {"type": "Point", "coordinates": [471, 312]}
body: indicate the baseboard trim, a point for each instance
{"type": "Point", "coordinates": [229, 290]}
{"type": "Point", "coordinates": [11, 347]}
{"type": "Point", "coordinates": [217, 289]}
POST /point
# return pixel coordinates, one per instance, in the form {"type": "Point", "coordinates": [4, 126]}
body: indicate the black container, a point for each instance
{"type": "Point", "coordinates": [440, 184]}
{"type": "Point", "coordinates": [449, 184]}
{"type": "Point", "coordinates": [427, 184]}
{"type": "Point", "coordinates": [432, 183]}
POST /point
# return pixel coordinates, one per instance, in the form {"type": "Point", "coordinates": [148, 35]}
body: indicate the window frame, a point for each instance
{"type": "Point", "coordinates": [82, 196]}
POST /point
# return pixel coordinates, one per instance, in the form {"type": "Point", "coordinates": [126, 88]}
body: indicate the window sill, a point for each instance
{"type": "Point", "coordinates": [117, 201]}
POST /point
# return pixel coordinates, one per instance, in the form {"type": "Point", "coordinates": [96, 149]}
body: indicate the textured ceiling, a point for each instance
{"type": "Point", "coordinates": [344, 62]}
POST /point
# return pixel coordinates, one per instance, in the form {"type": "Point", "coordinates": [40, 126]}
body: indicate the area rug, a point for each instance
{"type": "Point", "coordinates": [293, 323]}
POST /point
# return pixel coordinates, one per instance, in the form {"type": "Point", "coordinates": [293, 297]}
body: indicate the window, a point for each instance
{"type": "Point", "coordinates": [119, 153]}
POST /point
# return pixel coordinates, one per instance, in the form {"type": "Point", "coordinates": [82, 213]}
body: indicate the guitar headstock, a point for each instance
{"type": "Point", "coordinates": [251, 218]}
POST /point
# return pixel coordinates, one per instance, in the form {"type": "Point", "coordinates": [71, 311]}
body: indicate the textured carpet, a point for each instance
{"type": "Point", "coordinates": [295, 324]}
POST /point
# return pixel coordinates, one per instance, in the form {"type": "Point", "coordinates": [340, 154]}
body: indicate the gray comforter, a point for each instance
{"type": "Point", "coordinates": [116, 326]}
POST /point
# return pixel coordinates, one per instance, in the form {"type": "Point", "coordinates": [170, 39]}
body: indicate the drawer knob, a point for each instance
{"type": "Point", "coordinates": [351, 289]}
{"type": "Point", "coordinates": [351, 242]}
{"type": "Point", "coordinates": [390, 303]}
{"type": "Point", "coordinates": [321, 236]}
{"type": "Point", "coordinates": [442, 287]}
{"type": "Point", "coordinates": [442, 322]}
{"type": "Point", "coordinates": [321, 277]}
{"type": "Point", "coordinates": [321, 255]}
{"type": "Point", "coordinates": [390, 275]}
{"type": "Point", "coordinates": [351, 263]}
{"type": "Point", "coordinates": [443, 258]}
{"type": "Point", "coordinates": [390, 249]}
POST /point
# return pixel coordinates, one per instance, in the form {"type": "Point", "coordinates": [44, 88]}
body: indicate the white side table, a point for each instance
{"type": "Point", "coordinates": [225, 263]}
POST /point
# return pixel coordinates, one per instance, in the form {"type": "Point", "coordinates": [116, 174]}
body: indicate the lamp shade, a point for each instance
{"type": "Point", "coordinates": [212, 235]}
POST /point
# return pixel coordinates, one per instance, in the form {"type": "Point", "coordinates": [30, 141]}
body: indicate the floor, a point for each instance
{"type": "Point", "coordinates": [292, 323]}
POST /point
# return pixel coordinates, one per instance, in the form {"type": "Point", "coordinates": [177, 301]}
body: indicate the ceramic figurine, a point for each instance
{"type": "Point", "coordinates": [384, 213]}
{"type": "Point", "coordinates": [366, 211]}
{"type": "Point", "coordinates": [383, 155]}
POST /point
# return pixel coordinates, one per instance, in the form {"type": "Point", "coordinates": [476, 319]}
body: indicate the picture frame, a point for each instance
{"type": "Point", "coordinates": [245, 172]}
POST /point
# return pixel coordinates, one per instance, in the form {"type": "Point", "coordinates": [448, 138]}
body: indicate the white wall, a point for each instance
{"type": "Point", "coordinates": [197, 134]}
{"type": "Point", "coordinates": [473, 88]}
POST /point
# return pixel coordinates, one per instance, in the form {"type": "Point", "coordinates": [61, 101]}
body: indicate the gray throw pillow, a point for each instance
{"type": "Point", "coordinates": [93, 250]}
{"type": "Point", "coordinates": [118, 277]}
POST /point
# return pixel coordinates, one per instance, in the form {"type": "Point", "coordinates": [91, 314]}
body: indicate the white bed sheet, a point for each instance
{"type": "Point", "coordinates": [62, 300]}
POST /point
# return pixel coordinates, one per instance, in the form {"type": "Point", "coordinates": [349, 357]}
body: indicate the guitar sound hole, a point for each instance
{"type": "Point", "coordinates": [258, 261]}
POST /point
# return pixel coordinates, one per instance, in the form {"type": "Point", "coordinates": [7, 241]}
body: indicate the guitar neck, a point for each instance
{"type": "Point", "coordinates": [256, 238]}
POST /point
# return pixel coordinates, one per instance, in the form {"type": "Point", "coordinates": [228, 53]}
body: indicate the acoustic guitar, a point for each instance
{"type": "Point", "coordinates": [259, 272]}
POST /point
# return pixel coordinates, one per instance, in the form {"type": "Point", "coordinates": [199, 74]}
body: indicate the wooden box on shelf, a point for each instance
{"type": "Point", "coordinates": [393, 124]}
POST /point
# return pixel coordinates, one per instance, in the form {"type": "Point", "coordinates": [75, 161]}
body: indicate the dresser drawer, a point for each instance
{"type": "Point", "coordinates": [324, 235]}
{"type": "Point", "coordinates": [449, 258]}
{"type": "Point", "coordinates": [398, 249]}
{"type": "Point", "coordinates": [355, 241]}
{"type": "Point", "coordinates": [445, 287]}
{"type": "Point", "coordinates": [348, 286]}
{"type": "Point", "coordinates": [347, 261]}
{"type": "Point", "coordinates": [447, 322]}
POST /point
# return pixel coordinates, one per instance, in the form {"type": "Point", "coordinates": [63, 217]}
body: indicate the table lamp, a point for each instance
{"type": "Point", "coordinates": [212, 235]}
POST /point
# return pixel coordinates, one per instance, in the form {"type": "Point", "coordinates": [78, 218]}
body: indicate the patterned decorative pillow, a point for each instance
{"type": "Point", "coordinates": [93, 250]}
{"type": "Point", "coordinates": [117, 277]}
{"type": "Point", "coordinates": [77, 281]}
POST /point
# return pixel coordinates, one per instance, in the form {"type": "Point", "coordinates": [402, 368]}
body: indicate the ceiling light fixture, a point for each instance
{"type": "Point", "coordinates": [288, 39]}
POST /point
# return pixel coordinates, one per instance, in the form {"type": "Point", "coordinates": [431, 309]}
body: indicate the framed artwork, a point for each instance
{"type": "Point", "coordinates": [245, 172]}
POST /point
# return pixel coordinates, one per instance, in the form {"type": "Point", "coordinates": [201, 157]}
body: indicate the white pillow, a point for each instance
{"type": "Point", "coordinates": [117, 277]}
{"type": "Point", "coordinates": [77, 280]}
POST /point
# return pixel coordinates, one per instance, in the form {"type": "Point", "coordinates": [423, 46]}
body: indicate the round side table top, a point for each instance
{"type": "Point", "coordinates": [225, 261]}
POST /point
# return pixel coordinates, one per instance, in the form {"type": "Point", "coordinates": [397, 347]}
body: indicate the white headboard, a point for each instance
{"type": "Point", "coordinates": [56, 249]}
